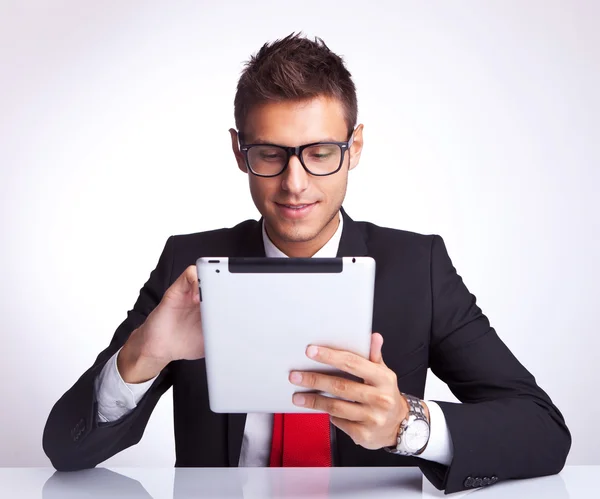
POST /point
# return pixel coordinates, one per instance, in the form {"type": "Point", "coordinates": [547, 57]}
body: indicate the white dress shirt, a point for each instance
{"type": "Point", "coordinates": [117, 398]}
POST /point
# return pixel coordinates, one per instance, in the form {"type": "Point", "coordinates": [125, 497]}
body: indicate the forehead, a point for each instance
{"type": "Point", "coordinates": [296, 122]}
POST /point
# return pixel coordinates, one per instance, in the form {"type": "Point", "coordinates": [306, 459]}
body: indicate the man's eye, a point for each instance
{"type": "Point", "coordinates": [270, 156]}
{"type": "Point", "coordinates": [319, 156]}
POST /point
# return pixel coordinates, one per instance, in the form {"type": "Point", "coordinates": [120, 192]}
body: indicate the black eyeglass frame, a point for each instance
{"type": "Point", "coordinates": [297, 151]}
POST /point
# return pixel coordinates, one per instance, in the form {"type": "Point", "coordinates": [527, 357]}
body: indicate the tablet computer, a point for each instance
{"type": "Point", "coordinates": [260, 314]}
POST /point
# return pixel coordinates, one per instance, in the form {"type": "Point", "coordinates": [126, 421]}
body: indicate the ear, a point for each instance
{"type": "Point", "coordinates": [356, 147]}
{"type": "Point", "coordinates": [235, 146]}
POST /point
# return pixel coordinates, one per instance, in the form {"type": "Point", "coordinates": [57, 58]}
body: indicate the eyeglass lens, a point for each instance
{"type": "Point", "coordinates": [319, 159]}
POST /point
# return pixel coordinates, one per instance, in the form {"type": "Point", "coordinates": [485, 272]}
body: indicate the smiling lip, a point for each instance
{"type": "Point", "coordinates": [295, 211]}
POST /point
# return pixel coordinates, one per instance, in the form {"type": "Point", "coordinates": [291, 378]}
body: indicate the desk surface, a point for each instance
{"type": "Point", "coordinates": [265, 483]}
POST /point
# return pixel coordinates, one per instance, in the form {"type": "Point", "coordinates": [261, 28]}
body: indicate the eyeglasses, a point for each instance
{"type": "Point", "coordinates": [319, 158]}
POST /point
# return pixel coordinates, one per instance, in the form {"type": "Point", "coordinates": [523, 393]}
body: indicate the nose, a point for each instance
{"type": "Point", "coordinates": [295, 178]}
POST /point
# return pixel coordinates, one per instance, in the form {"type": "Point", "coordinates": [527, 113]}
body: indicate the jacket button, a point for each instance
{"type": "Point", "coordinates": [478, 482]}
{"type": "Point", "coordinates": [486, 481]}
{"type": "Point", "coordinates": [468, 482]}
{"type": "Point", "coordinates": [493, 480]}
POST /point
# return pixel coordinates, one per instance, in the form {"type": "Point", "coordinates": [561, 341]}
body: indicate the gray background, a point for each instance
{"type": "Point", "coordinates": [481, 124]}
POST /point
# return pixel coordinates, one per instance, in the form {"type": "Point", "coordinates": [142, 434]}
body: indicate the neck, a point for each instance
{"type": "Point", "coordinates": [306, 249]}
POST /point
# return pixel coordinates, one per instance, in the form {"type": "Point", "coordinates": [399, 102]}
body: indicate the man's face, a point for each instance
{"type": "Point", "coordinates": [300, 209]}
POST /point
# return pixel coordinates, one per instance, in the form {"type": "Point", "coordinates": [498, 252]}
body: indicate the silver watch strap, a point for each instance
{"type": "Point", "coordinates": [414, 406]}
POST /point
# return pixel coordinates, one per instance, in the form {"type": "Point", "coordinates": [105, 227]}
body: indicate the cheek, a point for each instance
{"type": "Point", "coordinates": [335, 188]}
{"type": "Point", "coordinates": [261, 188]}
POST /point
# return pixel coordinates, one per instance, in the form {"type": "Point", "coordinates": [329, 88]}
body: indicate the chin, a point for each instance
{"type": "Point", "coordinates": [301, 233]}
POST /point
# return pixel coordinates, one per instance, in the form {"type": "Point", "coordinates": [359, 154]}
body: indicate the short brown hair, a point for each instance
{"type": "Point", "coordinates": [295, 68]}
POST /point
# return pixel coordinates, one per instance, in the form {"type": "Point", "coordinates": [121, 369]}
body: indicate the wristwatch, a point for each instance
{"type": "Point", "coordinates": [414, 430]}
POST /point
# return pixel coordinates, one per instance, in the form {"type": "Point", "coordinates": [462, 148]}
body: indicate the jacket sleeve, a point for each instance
{"type": "Point", "coordinates": [73, 439]}
{"type": "Point", "coordinates": [506, 426]}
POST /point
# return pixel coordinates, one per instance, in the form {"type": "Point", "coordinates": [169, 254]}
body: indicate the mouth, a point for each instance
{"type": "Point", "coordinates": [295, 211]}
{"type": "Point", "coordinates": [295, 206]}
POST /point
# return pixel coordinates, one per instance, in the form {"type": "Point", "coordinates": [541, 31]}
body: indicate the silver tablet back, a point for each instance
{"type": "Point", "coordinates": [260, 314]}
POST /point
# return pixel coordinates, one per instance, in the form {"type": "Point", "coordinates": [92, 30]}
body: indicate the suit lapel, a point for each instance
{"type": "Point", "coordinates": [250, 244]}
{"type": "Point", "coordinates": [352, 243]}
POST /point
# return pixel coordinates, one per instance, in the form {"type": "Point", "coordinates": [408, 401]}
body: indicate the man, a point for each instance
{"type": "Point", "coordinates": [297, 139]}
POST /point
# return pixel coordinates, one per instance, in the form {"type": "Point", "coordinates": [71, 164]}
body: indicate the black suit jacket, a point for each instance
{"type": "Point", "coordinates": [506, 426]}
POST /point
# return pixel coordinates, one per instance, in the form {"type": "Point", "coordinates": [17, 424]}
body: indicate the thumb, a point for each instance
{"type": "Point", "coordinates": [190, 283]}
{"type": "Point", "coordinates": [191, 277]}
{"type": "Point", "coordinates": [376, 344]}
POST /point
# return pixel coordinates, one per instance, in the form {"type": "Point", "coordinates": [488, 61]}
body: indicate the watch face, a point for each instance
{"type": "Point", "coordinates": [416, 435]}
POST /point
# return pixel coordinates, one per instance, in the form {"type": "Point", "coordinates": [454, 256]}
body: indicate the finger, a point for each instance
{"type": "Point", "coordinates": [370, 372]}
{"type": "Point", "coordinates": [376, 345]}
{"type": "Point", "coordinates": [334, 385]}
{"type": "Point", "coordinates": [332, 406]}
{"type": "Point", "coordinates": [350, 428]}
{"type": "Point", "coordinates": [190, 277]}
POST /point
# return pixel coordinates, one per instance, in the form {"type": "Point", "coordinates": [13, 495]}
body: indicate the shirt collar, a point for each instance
{"type": "Point", "coordinates": [328, 251]}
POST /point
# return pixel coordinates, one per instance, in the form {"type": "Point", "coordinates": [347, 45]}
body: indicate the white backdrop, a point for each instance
{"type": "Point", "coordinates": [481, 124]}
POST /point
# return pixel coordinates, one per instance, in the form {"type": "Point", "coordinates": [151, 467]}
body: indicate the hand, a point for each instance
{"type": "Point", "coordinates": [172, 331]}
{"type": "Point", "coordinates": [372, 412]}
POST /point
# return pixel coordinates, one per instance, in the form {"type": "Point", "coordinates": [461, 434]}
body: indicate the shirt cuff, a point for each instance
{"type": "Point", "coordinates": [439, 448]}
{"type": "Point", "coordinates": [115, 397]}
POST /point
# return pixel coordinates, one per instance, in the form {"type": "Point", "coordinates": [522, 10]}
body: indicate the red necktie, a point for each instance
{"type": "Point", "coordinates": [301, 440]}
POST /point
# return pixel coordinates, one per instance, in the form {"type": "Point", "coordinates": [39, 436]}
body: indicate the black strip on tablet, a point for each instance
{"type": "Point", "coordinates": [286, 265]}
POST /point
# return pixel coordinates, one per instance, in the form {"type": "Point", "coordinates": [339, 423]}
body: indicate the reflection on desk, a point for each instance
{"type": "Point", "coordinates": [265, 483]}
{"type": "Point", "coordinates": [300, 482]}
{"type": "Point", "coordinates": [97, 483]}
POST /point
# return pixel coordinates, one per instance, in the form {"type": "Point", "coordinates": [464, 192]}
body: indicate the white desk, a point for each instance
{"type": "Point", "coordinates": [265, 483]}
